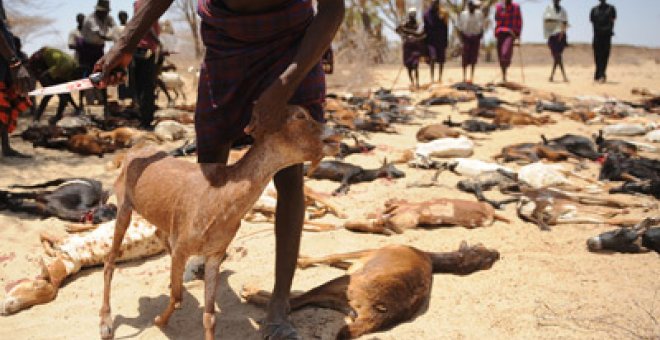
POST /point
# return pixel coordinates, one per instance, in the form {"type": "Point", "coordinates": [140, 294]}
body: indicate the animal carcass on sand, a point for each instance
{"type": "Point", "coordinates": [446, 147]}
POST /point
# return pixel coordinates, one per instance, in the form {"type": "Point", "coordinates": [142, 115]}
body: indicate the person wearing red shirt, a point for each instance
{"type": "Point", "coordinates": [508, 28]}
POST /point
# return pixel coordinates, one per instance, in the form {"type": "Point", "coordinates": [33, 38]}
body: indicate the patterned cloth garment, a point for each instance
{"type": "Point", "coordinates": [244, 55]}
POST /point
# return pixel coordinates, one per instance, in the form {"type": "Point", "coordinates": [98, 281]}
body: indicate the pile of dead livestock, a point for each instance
{"type": "Point", "coordinates": [552, 178]}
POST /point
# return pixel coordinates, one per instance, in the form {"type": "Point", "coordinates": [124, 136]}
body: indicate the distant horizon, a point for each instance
{"type": "Point", "coordinates": [634, 26]}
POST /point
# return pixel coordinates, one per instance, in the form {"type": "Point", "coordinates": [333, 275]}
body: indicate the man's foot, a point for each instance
{"type": "Point", "coordinates": [283, 330]}
{"type": "Point", "coordinates": [552, 80]}
{"type": "Point", "coordinates": [15, 154]}
{"type": "Point", "coordinates": [566, 80]}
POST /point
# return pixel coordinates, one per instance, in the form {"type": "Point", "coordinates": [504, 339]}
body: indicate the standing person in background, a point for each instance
{"type": "Point", "coordinates": [436, 29]}
{"type": "Point", "coordinates": [75, 40]}
{"type": "Point", "coordinates": [14, 84]}
{"type": "Point", "coordinates": [470, 26]}
{"type": "Point", "coordinates": [122, 16]}
{"type": "Point", "coordinates": [96, 30]}
{"type": "Point", "coordinates": [124, 91]}
{"type": "Point", "coordinates": [412, 46]}
{"type": "Point", "coordinates": [144, 72]}
{"type": "Point", "coordinates": [507, 30]}
{"type": "Point", "coordinates": [602, 18]}
{"type": "Point", "coordinates": [75, 43]}
{"type": "Point", "coordinates": [555, 23]}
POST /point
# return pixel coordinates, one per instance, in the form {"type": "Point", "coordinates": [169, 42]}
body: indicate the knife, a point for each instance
{"type": "Point", "coordinates": [76, 85]}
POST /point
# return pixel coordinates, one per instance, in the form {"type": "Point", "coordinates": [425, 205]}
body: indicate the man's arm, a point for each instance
{"type": "Point", "coordinates": [270, 105]}
{"type": "Point", "coordinates": [316, 40]}
{"type": "Point", "coordinates": [120, 54]}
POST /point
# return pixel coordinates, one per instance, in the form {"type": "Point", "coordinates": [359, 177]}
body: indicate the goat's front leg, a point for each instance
{"type": "Point", "coordinates": [176, 286]}
{"type": "Point", "coordinates": [211, 269]}
{"type": "Point", "coordinates": [122, 223]}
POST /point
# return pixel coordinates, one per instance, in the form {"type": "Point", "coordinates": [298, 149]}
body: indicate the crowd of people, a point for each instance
{"type": "Point", "coordinates": [430, 42]}
{"type": "Point", "coordinates": [51, 66]}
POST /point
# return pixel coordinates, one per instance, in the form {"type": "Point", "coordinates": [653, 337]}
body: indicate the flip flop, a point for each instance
{"type": "Point", "coordinates": [279, 331]}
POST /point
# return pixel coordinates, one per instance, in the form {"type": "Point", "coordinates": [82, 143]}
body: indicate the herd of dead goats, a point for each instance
{"type": "Point", "coordinates": [546, 192]}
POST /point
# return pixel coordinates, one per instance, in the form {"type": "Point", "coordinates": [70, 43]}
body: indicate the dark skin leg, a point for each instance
{"type": "Point", "coordinates": [552, 74]}
{"type": "Point", "coordinates": [442, 67]}
{"type": "Point", "coordinates": [7, 151]}
{"type": "Point", "coordinates": [472, 73]}
{"type": "Point", "coordinates": [289, 217]}
{"type": "Point", "coordinates": [432, 65]}
{"type": "Point", "coordinates": [503, 72]}
{"type": "Point", "coordinates": [410, 75]}
{"type": "Point", "coordinates": [563, 72]}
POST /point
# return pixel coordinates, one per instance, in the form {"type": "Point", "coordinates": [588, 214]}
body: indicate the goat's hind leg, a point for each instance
{"type": "Point", "coordinates": [122, 223]}
{"type": "Point", "coordinates": [176, 286]}
{"type": "Point", "coordinates": [335, 260]}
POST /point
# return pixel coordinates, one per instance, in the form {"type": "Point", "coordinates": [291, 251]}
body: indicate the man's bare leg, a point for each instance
{"type": "Point", "coordinates": [289, 218]}
{"type": "Point", "coordinates": [472, 72]}
{"type": "Point", "coordinates": [7, 151]}
{"type": "Point", "coordinates": [464, 73]}
{"type": "Point", "coordinates": [440, 71]}
{"type": "Point", "coordinates": [432, 65]}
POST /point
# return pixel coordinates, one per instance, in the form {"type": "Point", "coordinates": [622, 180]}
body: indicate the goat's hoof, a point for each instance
{"type": "Point", "coordinates": [160, 321]}
{"type": "Point", "coordinates": [106, 331]}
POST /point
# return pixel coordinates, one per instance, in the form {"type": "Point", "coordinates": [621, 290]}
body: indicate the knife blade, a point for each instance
{"type": "Point", "coordinates": [75, 85]}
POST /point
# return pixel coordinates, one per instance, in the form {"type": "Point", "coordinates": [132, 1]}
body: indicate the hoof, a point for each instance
{"type": "Point", "coordinates": [159, 321]}
{"type": "Point", "coordinates": [106, 332]}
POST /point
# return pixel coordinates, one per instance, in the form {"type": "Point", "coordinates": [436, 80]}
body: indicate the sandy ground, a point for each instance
{"type": "Point", "coordinates": [546, 285]}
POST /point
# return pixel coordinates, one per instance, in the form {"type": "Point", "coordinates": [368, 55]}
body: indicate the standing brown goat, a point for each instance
{"type": "Point", "coordinates": [197, 208]}
{"type": "Point", "coordinates": [384, 286]}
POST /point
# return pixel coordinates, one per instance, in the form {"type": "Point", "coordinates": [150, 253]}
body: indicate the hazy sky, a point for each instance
{"type": "Point", "coordinates": [638, 20]}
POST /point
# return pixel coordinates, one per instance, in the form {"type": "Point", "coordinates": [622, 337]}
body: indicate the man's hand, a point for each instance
{"type": "Point", "coordinates": [109, 64]}
{"type": "Point", "coordinates": [270, 109]}
{"type": "Point", "coordinates": [20, 79]}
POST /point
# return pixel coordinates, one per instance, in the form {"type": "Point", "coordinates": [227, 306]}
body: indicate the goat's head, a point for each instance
{"type": "Point", "coordinates": [388, 170]}
{"type": "Point", "coordinates": [301, 137]}
{"type": "Point", "coordinates": [28, 293]}
{"type": "Point", "coordinates": [620, 240]}
{"type": "Point", "coordinates": [102, 213]}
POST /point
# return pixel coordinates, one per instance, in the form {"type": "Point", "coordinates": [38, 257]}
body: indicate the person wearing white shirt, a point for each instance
{"type": "Point", "coordinates": [470, 26]}
{"type": "Point", "coordinates": [555, 23]}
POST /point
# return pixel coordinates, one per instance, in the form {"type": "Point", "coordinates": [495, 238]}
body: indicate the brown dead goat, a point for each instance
{"type": "Point", "coordinates": [200, 212]}
{"type": "Point", "coordinates": [400, 215]}
{"type": "Point", "coordinates": [384, 286]}
{"type": "Point", "coordinates": [508, 117]}
{"type": "Point", "coordinates": [436, 131]}
{"type": "Point", "coordinates": [531, 152]}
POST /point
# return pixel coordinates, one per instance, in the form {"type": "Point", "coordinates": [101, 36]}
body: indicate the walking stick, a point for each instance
{"type": "Point", "coordinates": [397, 77]}
{"type": "Point", "coordinates": [522, 65]}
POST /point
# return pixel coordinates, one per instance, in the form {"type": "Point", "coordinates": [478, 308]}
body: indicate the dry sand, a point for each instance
{"type": "Point", "coordinates": [546, 285]}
